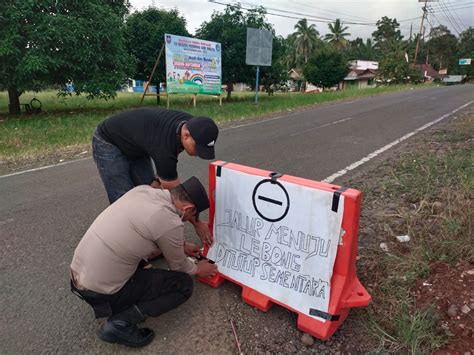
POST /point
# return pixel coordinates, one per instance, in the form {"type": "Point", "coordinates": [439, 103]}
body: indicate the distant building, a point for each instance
{"type": "Point", "coordinates": [361, 75]}
{"type": "Point", "coordinates": [428, 72]}
{"type": "Point", "coordinates": [364, 65]}
{"type": "Point", "coordinates": [138, 86]}
{"type": "Point", "coordinates": [454, 79]}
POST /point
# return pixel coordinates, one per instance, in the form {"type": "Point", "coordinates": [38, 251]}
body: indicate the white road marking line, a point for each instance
{"type": "Point", "coordinates": [10, 220]}
{"type": "Point", "coordinates": [372, 155]}
{"type": "Point", "coordinates": [43, 167]}
{"type": "Point", "coordinates": [322, 126]}
{"type": "Point", "coordinates": [285, 116]}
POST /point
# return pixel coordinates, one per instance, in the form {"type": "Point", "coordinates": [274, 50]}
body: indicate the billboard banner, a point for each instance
{"type": "Point", "coordinates": [193, 66]}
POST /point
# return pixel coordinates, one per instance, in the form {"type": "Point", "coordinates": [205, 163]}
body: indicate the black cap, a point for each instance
{"type": "Point", "coordinates": [197, 193]}
{"type": "Point", "coordinates": [204, 132]}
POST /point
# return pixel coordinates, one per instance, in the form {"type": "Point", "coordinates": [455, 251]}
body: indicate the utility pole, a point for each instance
{"type": "Point", "coordinates": [411, 30]}
{"type": "Point", "coordinates": [419, 35]}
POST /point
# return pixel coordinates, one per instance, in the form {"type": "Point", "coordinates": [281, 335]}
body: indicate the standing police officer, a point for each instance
{"type": "Point", "coordinates": [123, 144]}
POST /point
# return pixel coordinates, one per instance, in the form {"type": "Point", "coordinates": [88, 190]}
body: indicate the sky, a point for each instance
{"type": "Point", "coordinates": [360, 16]}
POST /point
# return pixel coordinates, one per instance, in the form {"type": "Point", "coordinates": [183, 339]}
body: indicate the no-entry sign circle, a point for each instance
{"type": "Point", "coordinates": [270, 200]}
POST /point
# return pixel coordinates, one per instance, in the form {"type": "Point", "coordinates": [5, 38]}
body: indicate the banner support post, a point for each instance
{"type": "Point", "coordinates": [256, 85]}
{"type": "Point", "coordinates": [152, 73]}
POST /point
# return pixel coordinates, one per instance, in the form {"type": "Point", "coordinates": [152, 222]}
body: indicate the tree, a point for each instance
{"type": "Point", "coordinates": [386, 34]}
{"type": "Point", "coordinates": [393, 67]}
{"type": "Point", "coordinates": [360, 50]}
{"type": "Point", "coordinates": [443, 48]}
{"type": "Point", "coordinates": [54, 42]}
{"type": "Point", "coordinates": [144, 37]}
{"type": "Point", "coordinates": [276, 74]}
{"type": "Point", "coordinates": [306, 39]}
{"type": "Point", "coordinates": [337, 35]}
{"type": "Point", "coordinates": [290, 57]}
{"type": "Point", "coordinates": [230, 29]}
{"type": "Point", "coordinates": [326, 68]}
{"type": "Point", "coordinates": [466, 50]}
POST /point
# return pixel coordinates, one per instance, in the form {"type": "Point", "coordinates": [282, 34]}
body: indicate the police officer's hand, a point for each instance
{"type": "Point", "coordinates": [191, 249]}
{"type": "Point", "coordinates": [203, 232]}
{"type": "Point", "coordinates": [206, 269]}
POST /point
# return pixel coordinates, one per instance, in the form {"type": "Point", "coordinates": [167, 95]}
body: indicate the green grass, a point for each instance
{"type": "Point", "coordinates": [432, 191]}
{"type": "Point", "coordinates": [71, 120]}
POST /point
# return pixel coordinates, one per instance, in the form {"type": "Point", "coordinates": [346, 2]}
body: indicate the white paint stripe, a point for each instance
{"type": "Point", "coordinates": [344, 171]}
{"type": "Point", "coordinates": [43, 167]}
{"type": "Point", "coordinates": [257, 122]}
{"type": "Point", "coordinates": [331, 104]}
{"type": "Point", "coordinates": [10, 220]}
{"type": "Point", "coordinates": [322, 126]}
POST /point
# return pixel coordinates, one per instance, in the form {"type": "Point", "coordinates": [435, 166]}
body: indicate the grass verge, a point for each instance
{"type": "Point", "coordinates": [71, 121]}
{"type": "Point", "coordinates": [424, 192]}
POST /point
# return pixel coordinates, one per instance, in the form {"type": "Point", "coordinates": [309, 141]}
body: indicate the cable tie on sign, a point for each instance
{"type": "Point", "coordinates": [323, 315]}
{"type": "Point", "coordinates": [274, 176]}
{"type": "Point", "coordinates": [219, 169]}
{"type": "Point", "coordinates": [335, 198]}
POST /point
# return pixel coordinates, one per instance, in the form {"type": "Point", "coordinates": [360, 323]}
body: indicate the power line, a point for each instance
{"type": "Point", "coordinates": [455, 13]}
{"type": "Point", "coordinates": [333, 12]}
{"type": "Point", "coordinates": [446, 12]}
{"type": "Point", "coordinates": [458, 26]}
{"type": "Point", "coordinates": [454, 6]}
{"type": "Point", "coordinates": [311, 18]}
{"type": "Point", "coordinates": [448, 17]}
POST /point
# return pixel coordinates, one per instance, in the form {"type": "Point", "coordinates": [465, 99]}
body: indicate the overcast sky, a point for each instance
{"type": "Point", "coordinates": [456, 14]}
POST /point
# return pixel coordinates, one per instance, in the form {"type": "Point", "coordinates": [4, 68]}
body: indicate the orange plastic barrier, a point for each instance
{"type": "Point", "coordinates": [346, 290]}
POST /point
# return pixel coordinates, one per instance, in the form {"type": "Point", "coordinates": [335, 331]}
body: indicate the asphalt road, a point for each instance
{"type": "Point", "coordinates": [43, 215]}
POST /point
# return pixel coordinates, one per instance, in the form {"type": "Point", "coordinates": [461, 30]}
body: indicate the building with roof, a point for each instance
{"type": "Point", "coordinates": [428, 72]}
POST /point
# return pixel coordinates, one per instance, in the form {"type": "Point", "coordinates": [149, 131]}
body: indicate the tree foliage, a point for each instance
{"type": "Point", "coordinates": [144, 37]}
{"type": "Point", "coordinates": [53, 42]}
{"type": "Point", "coordinates": [357, 49]}
{"type": "Point", "coordinates": [386, 34]}
{"type": "Point", "coordinates": [230, 29]}
{"type": "Point", "coordinates": [276, 74]}
{"type": "Point", "coordinates": [306, 40]}
{"type": "Point", "coordinates": [393, 67]}
{"type": "Point", "coordinates": [326, 68]}
{"type": "Point", "coordinates": [466, 50]}
{"type": "Point", "coordinates": [442, 48]}
{"type": "Point", "coordinates": [337, 35]}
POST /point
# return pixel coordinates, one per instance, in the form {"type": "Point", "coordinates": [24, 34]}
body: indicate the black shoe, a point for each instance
{"type": "Point", "coordinates": [121, 332]}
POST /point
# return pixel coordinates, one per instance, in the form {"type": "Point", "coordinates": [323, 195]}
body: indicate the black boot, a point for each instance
{"type": "Point", "coordinates": [122, 328]}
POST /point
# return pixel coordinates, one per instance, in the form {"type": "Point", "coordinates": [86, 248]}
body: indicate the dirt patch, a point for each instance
{"type": "Point", "coordinates": [450, 290]}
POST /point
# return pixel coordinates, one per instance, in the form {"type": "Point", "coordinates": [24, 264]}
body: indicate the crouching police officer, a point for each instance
{"type": "Point", "coordinates": [105, 268]}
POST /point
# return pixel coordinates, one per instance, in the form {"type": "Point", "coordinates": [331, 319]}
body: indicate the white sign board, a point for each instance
{"type": "Point", "coordinates": [277, 238]}
{"type": "Point", "coordinates": [465, 61]}
{"type": "Point", "coordinates": [259, 47]}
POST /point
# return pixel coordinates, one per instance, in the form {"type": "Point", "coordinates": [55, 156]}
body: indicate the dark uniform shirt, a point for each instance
{"type": "Point", "coordinates": [147, 132]}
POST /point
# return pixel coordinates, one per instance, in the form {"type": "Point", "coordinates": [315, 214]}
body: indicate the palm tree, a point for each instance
{"type": "Point", "coordinates": [306, 39]}
{"type": "Point", "coordinates": [337, 35]}
{"type": "Point", "coordinates": [290, 58]}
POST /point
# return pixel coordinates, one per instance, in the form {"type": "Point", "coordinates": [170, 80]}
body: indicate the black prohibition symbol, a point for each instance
{"type": "Point", "coordinates": [271, 200]}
